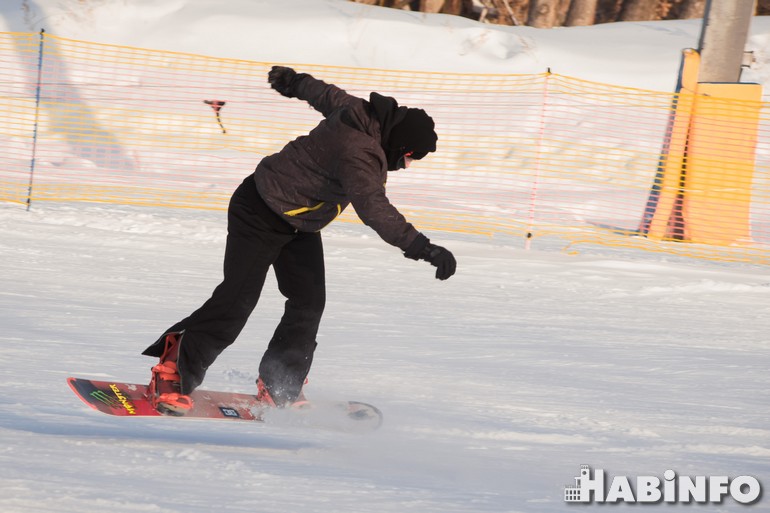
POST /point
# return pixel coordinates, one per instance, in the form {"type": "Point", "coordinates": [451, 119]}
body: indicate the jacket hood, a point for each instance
{"type": "Point", "coordinates": [403, 130]}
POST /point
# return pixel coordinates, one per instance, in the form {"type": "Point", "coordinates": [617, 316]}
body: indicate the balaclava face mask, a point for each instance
{"type": "Point", "coordinates": [404, 130]}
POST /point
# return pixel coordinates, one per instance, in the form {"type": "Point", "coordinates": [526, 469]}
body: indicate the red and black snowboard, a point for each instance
{"type": "Point", "coordinates": [130, 400]}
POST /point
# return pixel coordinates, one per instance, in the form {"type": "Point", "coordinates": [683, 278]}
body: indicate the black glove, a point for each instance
{"type": "Point", "coordinates": [441, 258]}
{"type": "Point", "coordinates": [283, 80]}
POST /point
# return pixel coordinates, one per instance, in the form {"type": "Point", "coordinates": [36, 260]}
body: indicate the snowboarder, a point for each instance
{"type": "Point", "coordinates": [274, 219]}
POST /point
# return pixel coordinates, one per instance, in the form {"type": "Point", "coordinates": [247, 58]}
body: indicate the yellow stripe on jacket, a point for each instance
{"type": "Point", "coordinates": [298, 211]}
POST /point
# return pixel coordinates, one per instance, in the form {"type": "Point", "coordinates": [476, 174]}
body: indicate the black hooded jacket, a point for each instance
{"type": "Point", "coordinates": [340, 162]}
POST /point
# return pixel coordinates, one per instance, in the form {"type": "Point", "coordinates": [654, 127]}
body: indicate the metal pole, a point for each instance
{"type": "Point", "coordinates": [37, 116]}
{"type": "Point", "coordinates": [723, 39]}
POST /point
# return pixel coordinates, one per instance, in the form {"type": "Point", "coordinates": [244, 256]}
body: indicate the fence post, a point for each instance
{"type": "Point", "coordinates": [541, 135]}
{"type": "Point", "coordinates": [37, 114]}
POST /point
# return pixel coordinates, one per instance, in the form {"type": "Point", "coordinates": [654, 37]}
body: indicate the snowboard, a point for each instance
{"type": "Point", "coordinates": [130, 400]}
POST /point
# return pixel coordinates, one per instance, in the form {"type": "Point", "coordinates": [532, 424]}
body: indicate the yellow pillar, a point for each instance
{"type": "Point", "coordinates": [669, 180]}
{"type": "Point", "coordinates": [702, 190]}
{"type": "Point", "coordinates": [720, 163]}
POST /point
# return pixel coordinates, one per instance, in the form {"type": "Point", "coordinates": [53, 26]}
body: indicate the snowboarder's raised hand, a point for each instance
{"type": "Point", "coordinates": [282, 78]}
{"type": "Point", "coordinates": [439, 257]}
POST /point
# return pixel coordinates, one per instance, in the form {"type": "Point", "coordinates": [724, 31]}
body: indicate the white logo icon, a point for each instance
{"type": "Point", "coordinates": [591, 486]}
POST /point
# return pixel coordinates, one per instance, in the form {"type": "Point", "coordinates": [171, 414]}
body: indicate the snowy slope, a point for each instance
{"type": "Point", "coordinates": [496, 385]}
{"type": "Point", "coordinates": [644, 55]}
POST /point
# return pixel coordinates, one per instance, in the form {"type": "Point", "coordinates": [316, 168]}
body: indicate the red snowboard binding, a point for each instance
{"type": "Point", "coordinates": [164, 390]}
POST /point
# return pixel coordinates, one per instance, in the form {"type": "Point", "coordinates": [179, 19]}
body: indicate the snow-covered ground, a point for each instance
{"type": "Point", "coordinates": [496, 385]}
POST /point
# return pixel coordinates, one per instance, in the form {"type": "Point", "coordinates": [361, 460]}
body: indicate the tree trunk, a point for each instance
{"type": "Point", "coordinates": [561, 12]}
{"type": "Point", "coordinates": [692, 9]}
{"type": "Point", "coordinates": [581, 13]}
{"type": "Point", "coordinates": [542, 13]}
{"type": "Point", "coordinates": [638, 10]}
{"type": "Point", "coordinates": [431, 5]}
{"type": "Point", "coordinates": [453, 7]}
{"type": "Point", "coordinates": [505, 14]}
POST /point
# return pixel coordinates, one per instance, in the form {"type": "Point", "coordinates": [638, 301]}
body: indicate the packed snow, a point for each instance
{"type": "Point", "coordinates": [496, 385]}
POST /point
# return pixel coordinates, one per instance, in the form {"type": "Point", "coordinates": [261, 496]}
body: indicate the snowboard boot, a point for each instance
{"type": "Point", "coordinates": [264, 397]}
{"type": "Point", "coordinates": [164, 390]}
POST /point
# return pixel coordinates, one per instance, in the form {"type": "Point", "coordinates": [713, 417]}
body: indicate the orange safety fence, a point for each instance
{"type": "Point", "coordinates": [518, 155]}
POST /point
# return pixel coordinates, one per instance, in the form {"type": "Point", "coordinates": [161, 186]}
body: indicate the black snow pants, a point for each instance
{"type": "Point", "coordinates": [257, 238]}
